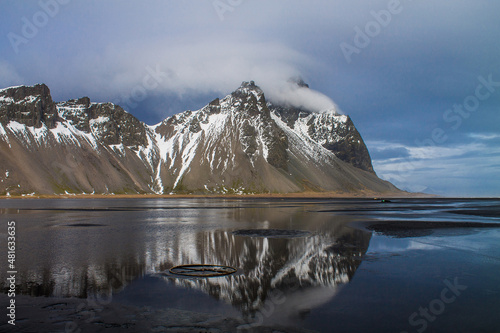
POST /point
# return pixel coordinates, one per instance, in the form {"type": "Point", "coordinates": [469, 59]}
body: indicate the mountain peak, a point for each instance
{"type": "Point", "coordinates": [28, 105]}
{"type": "Point", "coordinates": [249, 85]}
{"type": "Point", "coordinates": [249, 88]}
{"type": "Point", "coordinates": [18, 93]}
{"type": "Point", "coordinates": [238, 144]}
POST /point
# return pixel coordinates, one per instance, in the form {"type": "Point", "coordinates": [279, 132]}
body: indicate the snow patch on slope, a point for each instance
{"type": "Point", "coordinates": [13, 87]}
{"type": "Point", "coordinates": [298, 138]}
{"type": "Point", "coordinates": [6, 100]}
{"type": "Point", "coordinates": [4, 135]}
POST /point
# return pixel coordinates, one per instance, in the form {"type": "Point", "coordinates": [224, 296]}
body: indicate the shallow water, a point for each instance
{"type": "Point", "coordinates": [301, 263]}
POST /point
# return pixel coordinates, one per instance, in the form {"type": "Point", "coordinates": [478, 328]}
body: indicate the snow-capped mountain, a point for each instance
{"type": "Point", "coordinates": [238, 144]}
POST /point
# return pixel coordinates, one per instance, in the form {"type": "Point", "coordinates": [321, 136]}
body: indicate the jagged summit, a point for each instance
{"type": "Point", "coordinates": [334, 131]}
{"type": "Point", "coordinates": [29, 105]}
{"type": "Point", "coordinates": [238, 144]}
{"type": "Point", "coordinates": [247, 90]}
{"type": "Point", "coordinates": [19, 92]}
{"type": "Point", "coordinates": [249, 87]}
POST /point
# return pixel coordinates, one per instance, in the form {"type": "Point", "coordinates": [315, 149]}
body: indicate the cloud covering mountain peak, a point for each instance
{"type": "Point", "coordinates": [300, 96]}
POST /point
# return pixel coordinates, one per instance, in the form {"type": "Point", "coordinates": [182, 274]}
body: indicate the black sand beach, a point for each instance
{"type": "Point", "coordinates": [303, 264]}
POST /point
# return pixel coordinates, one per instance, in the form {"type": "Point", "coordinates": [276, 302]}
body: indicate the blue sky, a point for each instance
{"type": "Point", "coordinates": [419, 78]}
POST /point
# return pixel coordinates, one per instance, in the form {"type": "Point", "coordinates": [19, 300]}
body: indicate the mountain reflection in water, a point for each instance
{"type": "Point", "coordinates": [87, 251]}
{"type": "Point", "coordinates": [304, 265]}
{"type": "Point", "coordinates": [301, 263]}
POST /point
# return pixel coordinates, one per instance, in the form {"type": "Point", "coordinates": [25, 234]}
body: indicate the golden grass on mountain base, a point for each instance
{"type": "Point", "coordinates": [306, 195]}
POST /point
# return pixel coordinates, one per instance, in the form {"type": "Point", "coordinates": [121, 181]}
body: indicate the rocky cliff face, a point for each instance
{"type": "Point", "coordinates": [333, 131]}
{"type": "Point", "coordinates": [30, 106]}
{"type": "Point", "coordinates": [238, 144]}
{"type": "Point", "coordinates": [231, 145]}
{"type": "Point", "coordinates": [69, 147]}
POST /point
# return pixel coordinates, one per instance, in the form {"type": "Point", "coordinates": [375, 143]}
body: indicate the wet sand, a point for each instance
{"type": "Point", "coordinates": [402, 229]}
{"type": "Point", "coordinates": [89, 222]}
{"type": "Point", "coordinates": [51, 314]}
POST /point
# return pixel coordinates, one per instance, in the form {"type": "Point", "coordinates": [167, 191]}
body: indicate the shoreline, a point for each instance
{"type": "Point", "coordinates": [298, 195]}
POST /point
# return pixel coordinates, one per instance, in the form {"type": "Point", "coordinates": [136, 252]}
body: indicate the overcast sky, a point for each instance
{"type": "Point", "coordinates": [420, 79]}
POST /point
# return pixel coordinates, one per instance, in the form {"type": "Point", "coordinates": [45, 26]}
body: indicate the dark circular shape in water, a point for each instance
{"type": "Point", "coordinates": [202, 270]}
{"type": "Point", "coordinates": [272, 233]}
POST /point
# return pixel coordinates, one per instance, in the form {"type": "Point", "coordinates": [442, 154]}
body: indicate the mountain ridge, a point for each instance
{"type": "Point", "coordinates": [238, 144]}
